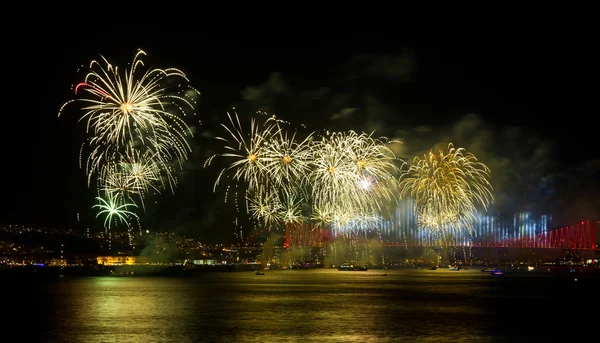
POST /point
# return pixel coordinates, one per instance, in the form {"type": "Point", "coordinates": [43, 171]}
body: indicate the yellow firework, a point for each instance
{"type": "Point", "coordinates": [134, 119]}
{"type": "Point", "coordinates": [117, 182]}
{"type": "Point", "coordinates": [286, 159]}
{"type": "Point", "coordinates": [264, 206]}
{"type": "Point", "coordinates": [332, 174]}
{"type": "Point", "coordinates": [322, 216]}
{"type": "Point", "coordinates": [134, 107]}
{"type": "Point", "coordinates": [291, 211]}
{"type": "Point", "coordinates": [131, 176]}
{"type": "Point", "coordinates": [342, 179]}
{"type": "Point", "coordinates": [352, 169]}
{"type": "Point", "coordinates": [375, 164]}
{"type": "Point", "coordinates": [449, 221]}
{"type": "Point", "coordinates": [248, 151]}
{"type": "Point", "coordinates": [143, 169]}
{"type": "Point", "coordinates": [345, 218]}
{"type": "Point", "coordinates": [447, 187]}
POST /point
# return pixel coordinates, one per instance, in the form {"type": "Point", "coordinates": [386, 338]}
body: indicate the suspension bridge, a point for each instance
{"type": "Point", "coordinates": [578, 236]}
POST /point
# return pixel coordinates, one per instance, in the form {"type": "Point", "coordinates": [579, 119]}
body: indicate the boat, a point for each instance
{"type": "Point", "coordinates": [454, 268]}
{"type": "Point", "coordinates": [498, 272]}
{"type": "Point", "coordinates": [258, 273]}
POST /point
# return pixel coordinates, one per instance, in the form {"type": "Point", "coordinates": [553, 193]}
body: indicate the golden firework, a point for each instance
{"type": "Point", "coordinates": [134, 108]}
{"type": "Point", "coordinates": [447, 187]}
{"type": "Point", "coordinates": [337, 179]}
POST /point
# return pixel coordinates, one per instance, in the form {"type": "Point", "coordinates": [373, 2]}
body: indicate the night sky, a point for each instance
{"type": "Point", "coordinates": [519, 102]}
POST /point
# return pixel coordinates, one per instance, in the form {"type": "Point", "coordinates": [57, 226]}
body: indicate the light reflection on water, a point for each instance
{"type": "Point", "coordinates": [294, 305]}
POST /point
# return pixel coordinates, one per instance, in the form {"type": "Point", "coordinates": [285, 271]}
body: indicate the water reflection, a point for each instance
{"type": "Point", "coordinates": [305, 305]}
{"type": "Point", "coordinates": [119, 309]}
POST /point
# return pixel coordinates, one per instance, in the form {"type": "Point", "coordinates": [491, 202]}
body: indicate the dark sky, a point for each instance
{"type": "Point", "coordinates": [519, 101]}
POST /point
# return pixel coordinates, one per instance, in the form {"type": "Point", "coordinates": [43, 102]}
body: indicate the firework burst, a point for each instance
{"type": "Point", "coordinates": [248, 151]}
{"type": "Point", "coordinates": [287, 160]}
{"type": "Point", "coordinates": [447, 188]}
{"type": "Point", "coordinates": [135, 107]}
{"type": "Point", "coordinates": [264, 205]}
{"type": "Point", "coordinates": [337, 179]}
{"type": "Point", "coordinates": [136, 130]}
{"type": "Point", "coordinates": [132, 176]}
{"type": "Point", "coordinates": [354, 171]}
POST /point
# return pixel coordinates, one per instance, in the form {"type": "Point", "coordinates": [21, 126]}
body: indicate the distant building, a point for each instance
{"type": "Point", "coordinates": [204, 262]}
{"type": "Point", "coordinates": [121, 260]}
{"type": "Point", "coordinates": [57, 262]}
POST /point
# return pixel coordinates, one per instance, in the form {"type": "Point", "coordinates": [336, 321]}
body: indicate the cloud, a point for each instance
{"type": "Point", "coordinates": [352, 96]}
{"type": "Point", "coordinates": [579, 190]}
{"type": "Point", "coordinates": [207, 134]}
{"type": "Point", "coordinates": [274, 85]}
{"type": "Point", "coordinates": [343, 113]}
{"type": "Point", "coordinates": [423, 129]}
